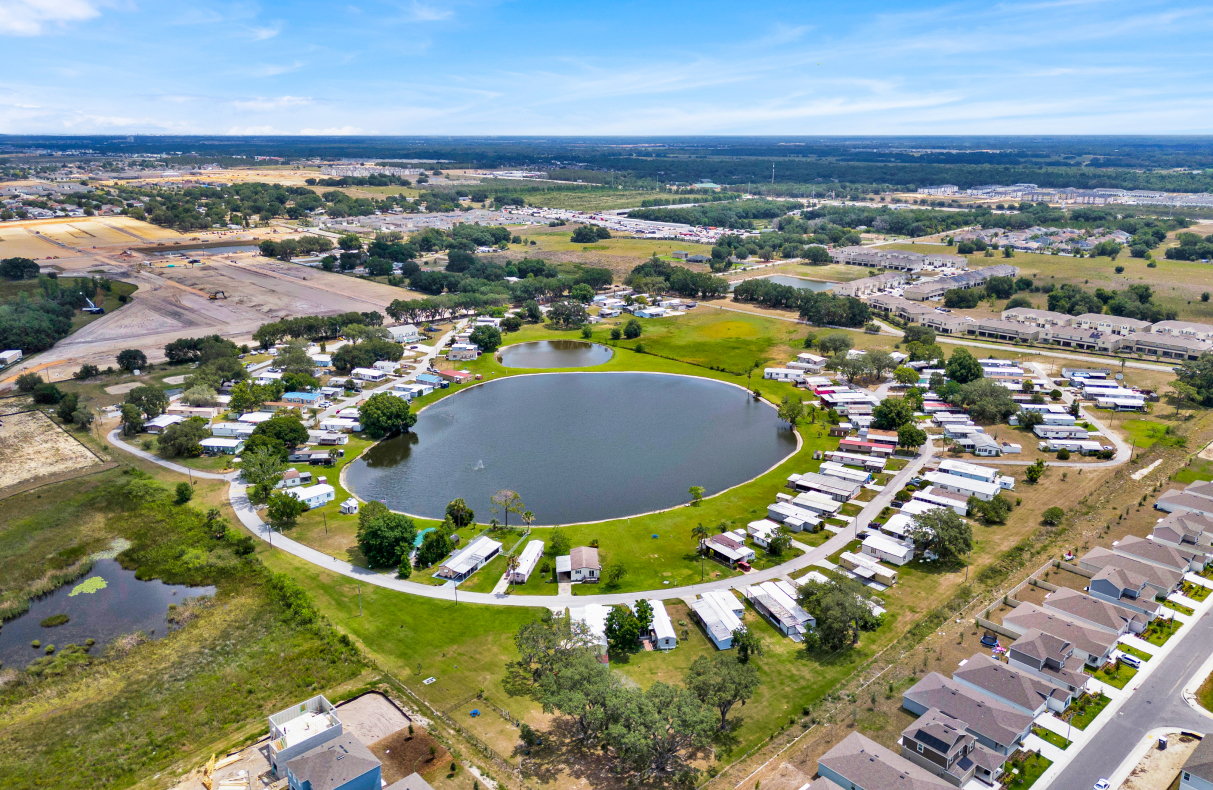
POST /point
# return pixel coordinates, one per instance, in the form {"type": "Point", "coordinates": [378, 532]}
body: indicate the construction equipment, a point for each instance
{"type": "Point", "coordinates": [218, 295]}
{"type": "Point", "coordinates": [208, 774]}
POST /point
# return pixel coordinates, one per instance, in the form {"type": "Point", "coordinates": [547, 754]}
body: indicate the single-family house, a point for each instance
{"type": "Point", "coordinates": [342, 763]}
{"type": "Point", "coordinates": [579, 565]}
{"type": "Point", "coordinates": [242, 430]}
{"type": "Point", "coordinates": [943, 746]}
{"type": "Point", "coordinates": [1159, 554]}
{"type": "Point", "coordinates": [859, 763]}
{"type": "Point", "coordinates": [1197, 770]}
{"type": "Point", "coordinates": [469, 559]}
{"type": "Point", "coordinates": [1194, 499]}
{"type": "Point", "coordinates": [315, 495]}
{"type": "Point", "coordinates": [650, 311]}
{"type": "Point", "coordinates": [1046, 655]}
{"type": "Point", "coordinates": [292, 478]}
{"type": "Point", "coordinates": [1162, 580]}
{"type": "Point", "coordinates": [1092, 645]}
{"type": "Point", "coordinates": [1026, 692]}
{"type": "Point", "coordinates": [997, 726]}
{"type": "Point", "coordinates": [1097, 612]}
{"type": "Point", "coordinates": [299, 729]}
{"type": "Point", "coordinates": [1186, 531]}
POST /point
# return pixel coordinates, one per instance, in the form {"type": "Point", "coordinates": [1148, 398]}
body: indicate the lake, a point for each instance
{"type": "Point", "coordinates": [123, 606]}
{"type": "Point", "coordinates": [575, 446]}
{"type": "Point", "coordinates": [555, 354]}
{"type": "Point", "coordinates": [223, 249]}
{"type": "Point", "coordinates": [795, 282]}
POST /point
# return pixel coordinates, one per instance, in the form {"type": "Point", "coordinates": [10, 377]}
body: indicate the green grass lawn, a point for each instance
{"type": "Point", "coordinates": [485, 579]}
{"type": "Point", "coordinates": [1197, 592]}
{"type": "Point", "coordinates": [1117, 677]}
{"type": "Point", "coordinates": [1178, 607]}
{"type": "Point", "coordinates": [1195, 470]}
{"type": "Point", "coordinates": [1147, 433]}
{"type": "Point", "coordinates": [1159, 631]}
{"type": "Point", "coordinates": [468, 648]}
{"type": "Point", "coordinates": [1141, 654]}
{"type": "Point", "coordinates": [1048, 736]}
{"type": "Point", "coordinates": [1084, 709]}
{"type": "Point", "coordinates": [1027, 769]}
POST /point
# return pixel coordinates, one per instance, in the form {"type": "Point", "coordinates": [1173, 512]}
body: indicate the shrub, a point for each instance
{"type": "Point", "coordinates": [1052, 516]}
{"type": "Point", "coordinates": [1063, 454]}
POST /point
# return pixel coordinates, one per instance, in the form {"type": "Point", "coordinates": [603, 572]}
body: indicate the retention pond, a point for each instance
{"type": "Point", "coordinates": [555, 354]}
{"type": "Point", "coordinates": [575, 446]}
{"type": "Point", "coordinates": [103, 605]}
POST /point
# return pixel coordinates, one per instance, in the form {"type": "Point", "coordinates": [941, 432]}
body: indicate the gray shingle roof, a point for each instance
{"type": "Point", "coordinates": [984, 715]}
{"type": "Point", "coordinates": [869, 765]}
{"type": "Point", "coordinates": [1027, 616]}
{"type": "Point", "coordinates": [1005, 683]}
{"type": "Point", "coordinates": [1095, 611]}
{"type": "Point", "coordinates": [1157, 553]}
{"type": "Point", "coordinates": [334, 763]}
{"type": "Point", "coordinates": [1200, 762]}
{"type": "Point", "coordinates": [1099, 557]}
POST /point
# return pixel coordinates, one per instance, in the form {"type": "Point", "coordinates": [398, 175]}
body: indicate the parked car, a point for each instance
{"type": "Point", "coordinates": [1102, 784]}
{"type": "Point", "coordinates": [1132, 661]}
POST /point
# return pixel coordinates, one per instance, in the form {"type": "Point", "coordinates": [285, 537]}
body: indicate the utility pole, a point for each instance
{"type": "Point", "coordinates": [772, 172]}
{"type": "Point", "coordinates": [360, 600]}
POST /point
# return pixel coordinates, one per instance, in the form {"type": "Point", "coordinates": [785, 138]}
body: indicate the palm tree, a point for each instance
{"type": "Point", "coordinates": [700, 533]}
{"type": "Point", "coordinates": [511, 565]}
{"type": "Point", "coordinates": [527, 518]}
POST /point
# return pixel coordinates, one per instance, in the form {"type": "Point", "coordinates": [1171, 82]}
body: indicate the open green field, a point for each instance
{"type": "Point", "coordinates": [1196, 469]}
{"type": "Point", "coordinates": [1177, 284]}
{"type": "Point", "coordinates": [557, 240]}
{"type": "Point", "coordinates": [1146, 433]}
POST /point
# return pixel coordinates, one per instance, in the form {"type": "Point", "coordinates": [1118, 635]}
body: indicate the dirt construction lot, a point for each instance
{"type": "Point", "coordinates": [32, 446]}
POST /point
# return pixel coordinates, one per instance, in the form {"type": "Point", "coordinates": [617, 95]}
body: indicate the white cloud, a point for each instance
{"type": "Point", "coordinates": [428, 13]}
{"type": "Point", "coordinates": [267, 32]}
{"type": "Point", "coordinates": [274, 69]}
{"type": "Point", "coordinates": [338, 131]}
{"type": "Point", "coordinates": [263, 104]}
{"type": "Point", "coordinates": [247, 130]}
{"type": "Point", "coordinates": [35, 17]}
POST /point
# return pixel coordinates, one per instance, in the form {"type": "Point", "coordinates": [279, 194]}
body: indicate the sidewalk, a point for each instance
{"type": "Point", "coordinates": [1083, 738]}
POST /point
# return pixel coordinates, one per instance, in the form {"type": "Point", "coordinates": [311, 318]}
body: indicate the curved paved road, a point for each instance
{"type": "Point", "coordinates": [113, 438]}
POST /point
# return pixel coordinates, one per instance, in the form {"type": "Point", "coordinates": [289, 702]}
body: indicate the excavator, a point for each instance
{"type": "Point", "coordinates": [218, 295]}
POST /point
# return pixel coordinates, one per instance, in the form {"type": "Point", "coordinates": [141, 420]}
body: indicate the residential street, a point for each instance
{"type": "Point", "coordinates": [1157, 702]}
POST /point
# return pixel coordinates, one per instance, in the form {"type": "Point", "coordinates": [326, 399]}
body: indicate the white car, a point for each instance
{"type": "Point", "coordinates": [1102, 784]}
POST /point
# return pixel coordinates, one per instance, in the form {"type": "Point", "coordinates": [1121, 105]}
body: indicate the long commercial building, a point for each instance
{"type": "Point", "coordinates": [935, 289]}
{"type": "Point", "coordinates": [898, 260]}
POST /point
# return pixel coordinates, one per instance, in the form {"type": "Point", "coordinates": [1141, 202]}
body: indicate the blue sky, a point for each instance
{"type": "Point", "coordinates": [522, 67]}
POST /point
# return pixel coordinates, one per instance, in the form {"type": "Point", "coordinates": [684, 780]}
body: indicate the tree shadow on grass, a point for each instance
{"type": "Point", "coordinates": [517, 682]}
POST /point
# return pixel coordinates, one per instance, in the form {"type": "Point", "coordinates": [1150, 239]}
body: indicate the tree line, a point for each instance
{"type": "Point", "coordinates": [820, 308]}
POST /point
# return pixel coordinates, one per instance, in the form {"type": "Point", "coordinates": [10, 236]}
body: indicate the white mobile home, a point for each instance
{"type": "Point", "coordinates": [885, 548]}
{"type": "Point", "coordinates": [469, 559]}
{"type": "Point", "coordinates": [835, 469]}
{"type": "Point", "coordinates": [783, 374]}
{"type": "Point", "coordinates": [527, 561]}
{"type": "Point", "coordinates": [762, 531]}
{"type": "Point", "coordinates": [792, 517]}
{"type": "Point", "coordinates": [405, 333]}
{"type": "Point", "coordinates": [225, 446]}
{"type": "Point", "coordinates": [343, 424]}
{"type": "Point", "coordinates": [240, 430]}
{"type": "Point", "coordinates": [718, 619]}
{"type": "Point", "coordinates": [594, 615]}
{"type": "Point", "coordinates": [314, 496]}
{"type": "Point", "coordinates": [10, 357]}
{"type": "Point", "coordinates": [158, 424]}
{"type": "Point", "coordinates": [368, 374]}
{"type": "Point", "coordinates": [664, 637]}
{"type": "Point", "coordinates": [386, 366]}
